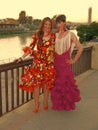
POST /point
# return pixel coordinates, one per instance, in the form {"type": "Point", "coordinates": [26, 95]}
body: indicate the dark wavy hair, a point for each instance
{"type": "Point", "coordinates": [61, 18]}
{"type": "Point", "coordinates": [40, 32]}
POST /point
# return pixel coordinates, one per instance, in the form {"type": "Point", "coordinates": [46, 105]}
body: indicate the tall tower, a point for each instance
{"type": "Point", "coordinates": [89, 15]}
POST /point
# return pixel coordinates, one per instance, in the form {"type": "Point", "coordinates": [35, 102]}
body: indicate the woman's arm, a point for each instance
{"type": "Point", "coordinates": [24, 55]}
{"type": "Point", "coordinates": [28, 49]}
{"type": "Point", "coordinates": [79, 47]}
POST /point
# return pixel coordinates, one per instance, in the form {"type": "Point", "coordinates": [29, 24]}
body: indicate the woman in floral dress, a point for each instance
{"type": "Point", "coordinates": [41, 74]}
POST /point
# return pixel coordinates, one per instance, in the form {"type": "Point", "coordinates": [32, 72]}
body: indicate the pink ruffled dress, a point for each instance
{"type": "Point", "coordinates": [65, 92]}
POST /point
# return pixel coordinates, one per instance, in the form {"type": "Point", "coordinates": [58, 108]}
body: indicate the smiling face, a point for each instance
{"type": "Point", "coordinates": [47, 26]}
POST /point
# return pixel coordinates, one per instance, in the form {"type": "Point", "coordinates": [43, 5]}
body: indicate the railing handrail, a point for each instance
{"type": "Point", "coordinates": [12, 65]}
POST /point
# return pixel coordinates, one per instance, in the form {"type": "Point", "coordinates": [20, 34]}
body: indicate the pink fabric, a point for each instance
{"type": "Point", "coordinates": [65, 92]}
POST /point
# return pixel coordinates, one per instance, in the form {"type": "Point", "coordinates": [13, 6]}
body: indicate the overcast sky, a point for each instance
{"type": "Point", "coordinates": [75, 10]}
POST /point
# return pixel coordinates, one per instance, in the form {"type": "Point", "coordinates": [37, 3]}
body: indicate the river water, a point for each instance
{"type": "Point", "coordinates": [11, 46]}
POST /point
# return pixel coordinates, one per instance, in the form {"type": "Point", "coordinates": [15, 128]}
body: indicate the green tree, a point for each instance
{"type": "Point", "coordinates": [87, 32]}
{"type": "Point", "coordinates": [53, 21]}
{"type": "Point", "coordinates": [29, 19]}
{"type": "Point", "coordinates": [36, 22]}
{"type": "Point", "coordinates": [22, 17]}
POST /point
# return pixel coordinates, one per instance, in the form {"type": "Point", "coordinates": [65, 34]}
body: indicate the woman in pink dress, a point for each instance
{"type": "Point", "coordinates": [65, 92]}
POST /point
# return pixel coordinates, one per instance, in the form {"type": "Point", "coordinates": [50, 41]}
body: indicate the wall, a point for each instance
{"type": "Point", "coordinates": [94, 63]}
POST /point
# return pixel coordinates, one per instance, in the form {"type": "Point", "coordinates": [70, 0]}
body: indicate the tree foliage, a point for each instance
{"type": "Point", "coordinates": [87, 32]}
{"type": "Point", "coordinates": [36, 22]}
{"type": "Point", "coordinates": [53, 21]}
{"type": "Point", "coordinates": [22, 17]}
{"type": "Point", "coordinates": [29, 19]}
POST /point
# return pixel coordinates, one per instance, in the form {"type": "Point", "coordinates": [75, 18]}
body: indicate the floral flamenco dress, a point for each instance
{"type": "Point", "coordinates": [41, 72]}
{"type": "Point", "coordinates": [65, 93]}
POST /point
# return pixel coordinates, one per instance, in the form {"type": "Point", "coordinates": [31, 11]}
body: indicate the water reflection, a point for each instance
{"type": "Point", "coordinates": [11, 46]}
{"type": "Point", "coordinates": [25, 38]}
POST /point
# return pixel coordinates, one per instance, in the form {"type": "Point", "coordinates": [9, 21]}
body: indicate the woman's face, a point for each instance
{"type": "Point", "coordinates": [61, 25]}
{"type": "Point", "coordinates": [47, 26]}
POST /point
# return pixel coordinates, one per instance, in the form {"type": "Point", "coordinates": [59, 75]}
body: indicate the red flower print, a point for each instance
{"type": "Point", "coordinates": [44, 48]}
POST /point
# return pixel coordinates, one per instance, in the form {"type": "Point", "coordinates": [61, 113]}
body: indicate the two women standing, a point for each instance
{"type": "Point", "coordinates": [47, 73]}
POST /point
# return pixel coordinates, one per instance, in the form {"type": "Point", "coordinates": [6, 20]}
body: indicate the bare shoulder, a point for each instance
{"type": "Point", "coordinates": [73, 34]}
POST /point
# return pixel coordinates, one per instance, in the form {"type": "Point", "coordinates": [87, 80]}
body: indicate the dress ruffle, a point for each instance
{"type": "Point", "coordinates": [64, 96]}
{"type": "Point", "coordinates": [33, 77]}
{"type": "Point", "coordinates": [65, 92]}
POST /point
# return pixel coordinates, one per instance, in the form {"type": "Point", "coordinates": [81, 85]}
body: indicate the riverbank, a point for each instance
{"type": "Point", "coordinates": [13, 32]}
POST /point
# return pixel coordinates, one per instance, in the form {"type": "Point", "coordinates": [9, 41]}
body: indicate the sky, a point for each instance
{"type": "Point", "coordinates": [75, 10]}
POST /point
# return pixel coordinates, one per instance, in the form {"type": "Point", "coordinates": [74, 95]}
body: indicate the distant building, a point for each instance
{"type": "Point", "coordinates": [89, 15]}
{"type": "Point", "coordinates": [9, 21]}
{"type": "Point", "coordinates": [8, 24]}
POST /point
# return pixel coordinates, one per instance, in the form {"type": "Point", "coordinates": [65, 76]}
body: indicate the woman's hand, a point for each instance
{"type": "Point", "coordinates": [18, 60]}
{"type": "Point", "coordinates": [70, 61]}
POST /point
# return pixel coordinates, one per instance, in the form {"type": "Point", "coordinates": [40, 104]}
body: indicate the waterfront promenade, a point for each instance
{"type": "Point", "coordinates": [85, 117]}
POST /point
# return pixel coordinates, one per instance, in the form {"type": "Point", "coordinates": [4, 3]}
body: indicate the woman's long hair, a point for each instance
{"type": "Point", "coordinates": [40, 31]}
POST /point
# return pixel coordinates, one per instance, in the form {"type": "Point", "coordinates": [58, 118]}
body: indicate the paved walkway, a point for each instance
{"type": "Point", "coordinates": [84, 118]}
